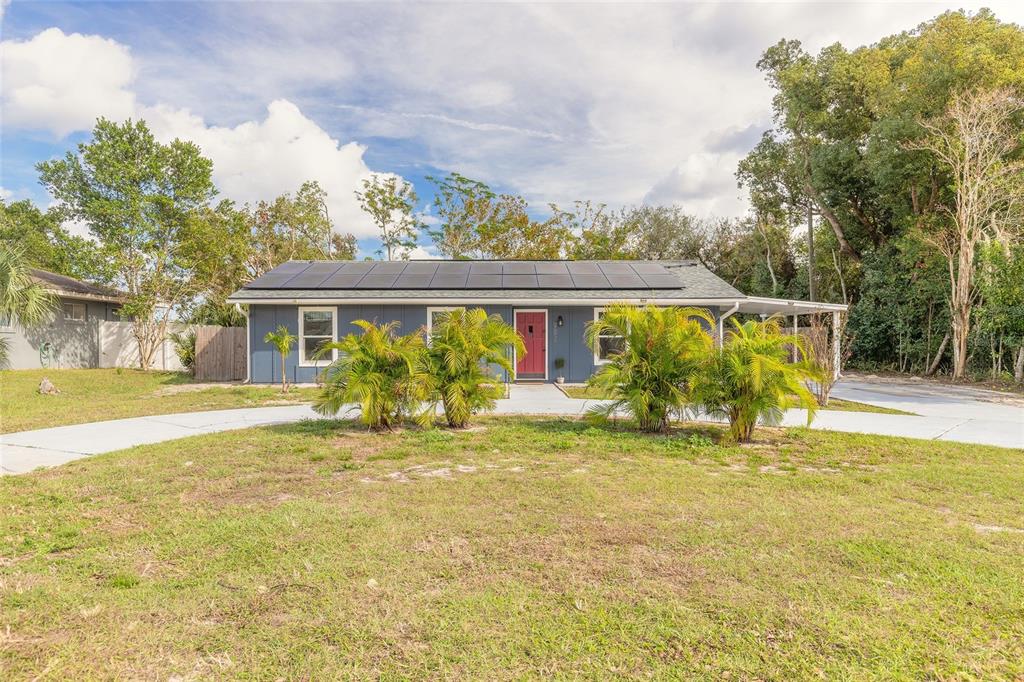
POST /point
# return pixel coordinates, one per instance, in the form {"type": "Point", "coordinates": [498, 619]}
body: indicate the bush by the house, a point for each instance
{"type": "Point", "coordinates": [648, 376]}
{"type": "Point", "coordinates": [380, 372]}
{"type": "Point", "coordinates": [751, 377]}
{"type": "Point", "coordinates": [465, 348]}
{"type": "Point", "coordinates": [185, 348]}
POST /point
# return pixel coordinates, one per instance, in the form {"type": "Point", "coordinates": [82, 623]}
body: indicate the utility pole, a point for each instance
{"type": "Point", "coordinates": [811, 289]}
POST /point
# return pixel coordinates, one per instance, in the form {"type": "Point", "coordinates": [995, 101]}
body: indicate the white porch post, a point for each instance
{"type": "Point", "coordinates": [837, 355]}
{"type": "Point", "coordinates": [796, 330]}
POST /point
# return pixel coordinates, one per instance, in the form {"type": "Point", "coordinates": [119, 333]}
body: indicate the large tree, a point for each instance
{"type": "Point", "coordinates": [230, 245]}
{"type": "Point", "coordinates": [47, 244]}
{"type": "Point", "coordinates": [464, 207]}
{"type": "Point", "coordinates": [846, 143]}
{"type": "Point", "coordinates": [136, 195]}
{"type": "Point", "coordinates": [390, 202]}
{"type": "Point", "coordinates": [977, 139]}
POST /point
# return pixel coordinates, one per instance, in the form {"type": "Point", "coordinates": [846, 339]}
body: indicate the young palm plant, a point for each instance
{"type": "Point", "coordinates": [21, 297]}
{"type": "Point", "coordinates": [282, 340]}
{"type": "Point", "coordinates": [649, 375]}
{"type": "Point", "coordinates": [462, 345]}
{"type": "Point", "coordinates": [751, 378]}
{"type": "Point", "coordinates": [381, 373]}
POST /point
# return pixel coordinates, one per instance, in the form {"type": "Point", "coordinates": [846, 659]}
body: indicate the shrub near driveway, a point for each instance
{"type": "Point", "coordinates": [529, 548]}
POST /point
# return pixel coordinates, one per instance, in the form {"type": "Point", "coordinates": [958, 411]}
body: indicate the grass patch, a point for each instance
{"type": "Point", "coordinates": [840, 405]}
{"type": "Point", "coordinates": [836, 404]}
{"type": "Point", "coordinates": [528, 548]}
{"type": "Point", "coordinates": [89, 395]}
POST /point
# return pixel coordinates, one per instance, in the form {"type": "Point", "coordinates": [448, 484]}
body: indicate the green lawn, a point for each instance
{"type": "Point", "coordinates": [524, 548]}
{"type": "Point", "coordinates": [836, 404]}
{"type": "Point", "coordinates": [89, 395]}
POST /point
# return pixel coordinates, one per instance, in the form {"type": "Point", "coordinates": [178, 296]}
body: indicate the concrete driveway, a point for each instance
{"type": "Point", "coordinates": [947, 413]}
{"type": "Point", "coordinates": [956, 413]}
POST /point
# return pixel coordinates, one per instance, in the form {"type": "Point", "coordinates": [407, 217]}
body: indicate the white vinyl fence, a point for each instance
{"type": "Point", "coordinates": [117, 347]}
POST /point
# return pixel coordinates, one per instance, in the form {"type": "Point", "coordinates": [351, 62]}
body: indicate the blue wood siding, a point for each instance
{"type": "Point", "coordinates": [567, 341]}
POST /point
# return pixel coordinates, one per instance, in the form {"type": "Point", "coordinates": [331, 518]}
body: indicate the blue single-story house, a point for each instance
{"type": "Point", "coordinates": [548, 302]}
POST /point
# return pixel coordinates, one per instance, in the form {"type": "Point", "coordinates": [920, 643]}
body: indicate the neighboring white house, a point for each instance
{"type": "Point", "coordinates": [72, 337]}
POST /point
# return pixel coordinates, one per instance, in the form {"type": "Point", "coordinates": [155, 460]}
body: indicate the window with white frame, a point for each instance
{"type": "Point", "coordinates": [317, 326]}
{"type": "Point", "coordinates": [74, 312]}
{"type": "Point", "coordinates": [435, 313]}
{"type": "Point", "coordinates": [6, 323]}
{"type": "Point", "coordinates": [606, 343]}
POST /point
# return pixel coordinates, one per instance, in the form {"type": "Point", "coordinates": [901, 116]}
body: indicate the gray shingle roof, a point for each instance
{"type": "Point", "coordinates": [694, 282]}
{"type": "Point", "coordinates": [71, 286]}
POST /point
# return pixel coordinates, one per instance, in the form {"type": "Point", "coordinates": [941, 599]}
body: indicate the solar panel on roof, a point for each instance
{"type": "Point", "coordinates": [623, 280]}
{"type": "Point", "coordinates": [416, 280]}
{"type": "Point", "coordinates": [485, 269]}
{"type": "Point", "coordinates": [590, 281]}
{"type": "Point", "coordinates": [577, 268]}
{"type": "Point", "coordinates": [388, 268]}
{"type": "Point", "coordinates": [563, 281]}
{"type": "Point", "coordinates": [313, 276]}
{"type": "Point", "coordinates": [453, 268]}
{"type": "Point", "coordinates": [360, 267]}
{"type": "Point", "coordinates": [292, 266]}
{"type": "Point", "coordinates": [619, 267]}
{"type": "Point", "coordinates": [377, 281]}
{"type": "Point", "coordinates": [342, 280]}
{"type": "Point", "coordinates": [470, 275]}
{"type": "Point", "coordinates": [648, 268]}
{"type": "Point", "coordinates": [519, 281]}
{"type": "Point", "coordinates": [483, 281]}
{"type": "Point", "coordinates": [518, 269]}
{"type": "Point", "coordinates": [553, 268]}
{"type": "Point", "coordinates": [419, 268]}
{"type": "Point", "coordinates": [271, 280]}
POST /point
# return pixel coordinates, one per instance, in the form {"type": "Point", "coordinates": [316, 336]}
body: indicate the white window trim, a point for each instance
{"type": "Point", "coordinates": [64, 315]}
{"type": "Point", "coordinates": [597, 346]}
{"type": "Point", "coordinates": [439, 309]}
{"type": "Point", "coordinates": [547, 338]}
{"type": "Point", "coordinates": [7, 325]}
{"type": "Point", "coordinates": [303, 361]}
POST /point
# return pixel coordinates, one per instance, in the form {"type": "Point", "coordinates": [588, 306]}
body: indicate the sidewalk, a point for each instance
{"type": "Point", "coordinates": [28, 450]}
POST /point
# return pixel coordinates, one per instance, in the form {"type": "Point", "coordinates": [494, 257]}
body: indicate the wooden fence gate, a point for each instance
{"type": "Point", "coordinates": [220, 353]}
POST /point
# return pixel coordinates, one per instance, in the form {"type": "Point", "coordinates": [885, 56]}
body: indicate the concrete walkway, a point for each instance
{"type": "Point", "coordinates": [968, 417]}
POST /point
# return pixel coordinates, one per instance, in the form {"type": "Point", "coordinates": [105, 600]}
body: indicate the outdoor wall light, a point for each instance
{"type": "Point", "coordinates": [560, 321]}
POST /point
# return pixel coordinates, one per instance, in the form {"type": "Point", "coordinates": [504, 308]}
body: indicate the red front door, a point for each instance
{"type": "Point", "coordinates": [532, 327]}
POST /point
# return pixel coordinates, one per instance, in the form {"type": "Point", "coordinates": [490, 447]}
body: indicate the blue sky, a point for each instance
{"type": "Point", "coordinates": [617, 103]}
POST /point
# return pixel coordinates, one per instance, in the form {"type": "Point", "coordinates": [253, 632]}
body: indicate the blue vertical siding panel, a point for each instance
{"type": "Point", "coordinates": [263, 358]}
{"type": "Point", "coordinates": [505, 312]}
{"type": "Point", "coordinates": [560, 341]}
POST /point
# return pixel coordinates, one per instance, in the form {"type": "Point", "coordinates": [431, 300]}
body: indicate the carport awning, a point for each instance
{"type": "Point", "coordinates": [757, 305]}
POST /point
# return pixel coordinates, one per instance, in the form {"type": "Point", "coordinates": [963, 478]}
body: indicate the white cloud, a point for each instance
{"type": "Point", "coordinates": [423, 253]}
{"type": "Point", "coordinates": [262, 159]}
{"type": "Point", "coordinates": [62, 83]}
{"type": "Point", "coordinates": [619, 103]}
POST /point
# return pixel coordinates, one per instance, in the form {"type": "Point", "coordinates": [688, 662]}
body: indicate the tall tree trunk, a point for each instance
{"type": "Point", "coordinates": [284, 374]}
{"type": "Point", "coordinates": [960, 303]}
{"type": "Point", "coordinates": [833, 221]}
{"type": "Point", "coordinates": [938, 356]}
{"type": "Point", "coordinates": [1018, 366]}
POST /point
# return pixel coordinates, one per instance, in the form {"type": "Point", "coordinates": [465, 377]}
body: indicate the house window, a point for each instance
{"type": "Point", "coordinates": [6, 323]}
{"type": "Point", "coordinates": [435, 313]}
{"type": "Point", "coordinates": [74, 312]}
{"type": "Point", "coordinates": [317, 326]}
{"type": "Point", "coordinates": [606, 343]}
